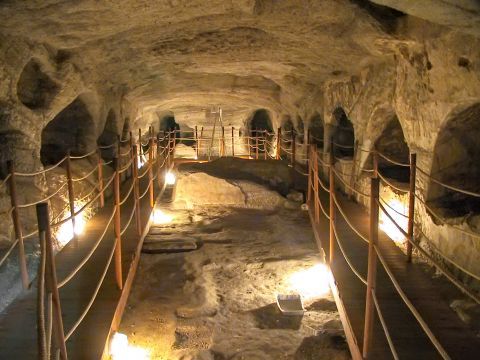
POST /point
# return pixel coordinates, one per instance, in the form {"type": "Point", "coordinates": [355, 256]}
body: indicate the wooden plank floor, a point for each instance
{"type": "Point", "coordinates": [409, 339]}
{"type": "Point", "coordinates": [18, 322]}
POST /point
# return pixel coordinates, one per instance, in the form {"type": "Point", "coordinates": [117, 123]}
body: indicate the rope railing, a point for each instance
{"type": "Point", "coordinates": [389, 159]}
{"type": "Point", "coordinates": [451, 187]}
{"type": "Point", "coordinates": [77, 157]}
{"type": "Point", "coordinates": [41, 172]}
{"type": "Point", "coordinates": [85, 176]}
{"type": "Point", "coordinates": [389, 183]}
{"type": "Point", "coordinates": [384, 326]}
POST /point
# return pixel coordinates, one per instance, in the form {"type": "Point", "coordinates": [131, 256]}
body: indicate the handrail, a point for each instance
{"type": "Point", "coordinates": [451, 187]}
{"type": "Point", "coordinates": [389, 159]}
{"type": "Point", "coordinates": [85, 176]}
{"type": "Point", "coordinates": [40, 172]}
{"type": "Point", "coordinates": [22, 206]}
{"type": "Point", "coordinates": [390, 184]}
{"type": "Point", "coordinates": [384, 326]}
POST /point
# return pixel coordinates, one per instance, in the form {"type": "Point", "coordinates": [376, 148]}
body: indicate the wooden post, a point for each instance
{"type": "Point", "coordinates": [332, 208]}
{"type": "Point", "coordinates": [201, 137]}
{"type": "Point", "coordinates": [100, 178]}
{"type": "Point", "coordinates": [130, 144]}
{"type": "Point", "coordinates": [256, 144]}
{"type": "Point", "coordinates": [158, 157]}
{"type": "Point", "coordinates": [315, 184]}
{"type": "Point", "coordinates": [117, 225]}
{"type": "Point", "coordinates": [71, 195]}
{"type": "Point", "coordinates": [310, 179]}
{"type": "Point", "coordinates": [169, 143]}
{"type": "Point", "coordinates": [372, 267]}
{"type": "Point", "coordinates": [150, 171]}
{"type": "Point", "coordinates": [140, 146]}
{"type": "Point", "coordinates": [17, 224]}
{"type": "Point", "coordinates": [248, 145]}
{"type": "Point", "coordinates": [279, 143]}
{"type": "Point", "coordinates": [51, 278]}
{"type": "Point", "coordinates": [196, 141]}
{"type": "Point", "coordinates": [265, 145]}
{"type": "Point", "coordinates": [375, 163]}
{"type": "Point", "coordinates": [411, 204]}
{"type": "Point", "coordinates": [136, 191]}
{"type": "Point", "coordinates": [223, 140]}
{"type": "Point", "coordinates": [294, 148]}
{"type": "Point", "coordinates": [233, 141]}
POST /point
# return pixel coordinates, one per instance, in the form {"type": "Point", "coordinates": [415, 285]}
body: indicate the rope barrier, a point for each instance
{"type": "Point", "coordinates": [384, 326]}
{"type": "Point", "coordinates": [94, 188]}
{"type": "Point", "coordinates": [41, 172]}
{"type": "Point", "coordinates": [95, 293]}
{"type": "Point", "coordinates": [412, 308]}
{"type": "Point", "coordinates": [125, 198]}
{"type": "Point", "coordinates": [83, 156]}
{"type": "Point", "coordinates": [348, 185]}
{"type": "Point", "coordinates": [347, 220]}
{"type": "Point", "coordinates": [360, 277]}
{"type": "Point", "coordinates": [4, 181]}
{"type": "Point", "coordinates": [396, 211]}
{"type": "Point", "coordinates": [85, 176]}
{"type": "Point", "coordinates": [10, 249]}
{"type": "Point", "coordinates": [145, 193]}
{"type": "Point", "coordinates": [107, 146]}
{"type": "Point", "coordinates": [398, 163]}
{"type": "Point", "coordinates": [42, 200]}
{"type": "Point", "coordinates": [466, 192]}
{"type": "Point", "coordinates": [87, 257]}
{"type": "Point", "coordinates": [128, 222]}
{"type": "Point", "coordinates": [343, 146]}
{"type": "Point", "coordinates": [391, 184]}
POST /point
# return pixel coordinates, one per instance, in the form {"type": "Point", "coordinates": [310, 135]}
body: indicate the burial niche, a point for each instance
{"type": "Point", "coordinates": [258, 124]}
{"type": "Point", "coordinates": [392, 145]}
{"type": "Point", "coordinates": [71, 130]}
{"type": "Point", "coordinates": [316, 130]}
{"type": "Point", "coordinates": [343, 135]}
{"type": "Point", "coordinates": [456, 162]}
{"type": "Point", "coordinates": [35, 89]}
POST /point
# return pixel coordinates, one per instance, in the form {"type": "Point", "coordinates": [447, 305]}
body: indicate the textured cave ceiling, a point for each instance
{"type": "Point", "coordinates": [188, 55]}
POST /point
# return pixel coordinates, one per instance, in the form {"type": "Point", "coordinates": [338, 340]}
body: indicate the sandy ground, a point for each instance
{"type": "Point", "coordinates": [218, 302]}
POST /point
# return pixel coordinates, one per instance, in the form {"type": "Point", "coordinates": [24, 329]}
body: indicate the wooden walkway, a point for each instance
{"type": "Point", "coordinates": [18, 334]}
{"type": "Point", "coordinates": [408, 337]}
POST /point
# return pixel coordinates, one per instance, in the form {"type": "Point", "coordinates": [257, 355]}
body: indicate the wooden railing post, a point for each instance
{"type": "Point", "coordinates": [233, 141]}
{"type": "Point", "coordinates": [117, 225]}
{"type": "Point", "coordinates": [293, 148]}
{"type": "Point", "coordinates": [249, 145]}
{"type": "Point", "coordinates": [411, 204]}
{"type": "Point", "coordinates": [310, 179]}
{"type": "Point", "coordinates": [100, 178]}
{"type": "Point", "coordinates": [196, 141]}
{"type": "Point", "coordinates": [315, 179]}
{"type": "Point", "coordinates": [372, 267]}
{"type": "Point", "coordinates": [256, 144]}
{"type": "Point", "coordinates": [201, 137]}
{"type": "Point", "coordinates": [279, 144]}
{"type": "Point", "coordinates": [265, 134]}
{"type": "Point", "coordinates": [223, 140]}
{"type": "Point", "coordinates": [71, 195]}
{"type": "Point", "coordinates": [169, 144]}
{"type": "Point", "coordinates": [158, 157]}
{"type": "Point", "coordinates": [136, 192]}
{"type": "Point", "coordinates": [17, 225]}
{"type": "Point", "coordinates": [130, 144]}
{"type": "Point", "coordinates": [331, 175]}
{"type": "Point", "coordinates": [150, 171]}
{"type": "Point", "coordinates": [51, 278]}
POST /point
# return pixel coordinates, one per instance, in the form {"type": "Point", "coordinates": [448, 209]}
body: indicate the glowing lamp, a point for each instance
{"type": "Point", "coordinates": [120, 349]}
{"type": "Point", "coordinates": [66, 231]}
{"type": "Point", "coordinates": [159, 217]}
{"type": "Point", "coordinates": [170, 178]}
{"type": "Point", "coordinates": [311, 283]}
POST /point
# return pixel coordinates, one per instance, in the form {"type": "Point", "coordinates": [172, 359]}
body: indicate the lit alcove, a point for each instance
{"type": "Point", "coordinates": [35, 89]}
{"type": "Point", "coordinates": [343, 135]}
{"type": "Point", "coordinates": [456, 162]}
{"type": "Point", "coordinates": [72, 129]}
{"type": "Point", "coordinates": [316, 129]}
{"type": "Point", "coordinates": [258, 124]}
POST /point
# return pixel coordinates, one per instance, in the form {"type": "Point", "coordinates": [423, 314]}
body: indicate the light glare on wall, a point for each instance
{"type": "Point", "coordinates": [159, 217]}
{"type": "Point", "coordinates": [120, 349]}
{"type": "Point", "coordinates": [170, 178]}
{"type": "Point", "coordinates": [66, 232]}
{"type": "Point", "coordinates": [388, 227]}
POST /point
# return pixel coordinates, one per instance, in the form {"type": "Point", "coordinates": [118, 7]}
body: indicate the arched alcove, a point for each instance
{"type": "Point", "coordinates": [110, 133]}
{"type": "Point", "coordinates": [300, 129]}
{"type": "Point", "coordinates": [316, 129]}
{"type": "Point", "coordinates": [456, 162]}
{"type": "Point", "coordinates": [260, 122]}
{"type": "Point", "coordinates": [343, 134]}
{"type": "Point", "coordinates": [168, 123]}
{"type": "Point", "coordinates": [287, 125]}
{"type": "Point", "coordinates": [392, 144]}
{"type": "Point", "coordinates": [35, 89]}
{"type": "Point", "coordinates": [73, 130]}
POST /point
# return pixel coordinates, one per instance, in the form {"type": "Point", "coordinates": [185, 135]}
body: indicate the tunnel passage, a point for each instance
{"type": "Point", "coordinates": [343, 135]}
{"type": "Point", "coordinates": [316, 130]}
{"type": "Point", "coordinates": [109, 136]}
{"type": "Point", "coordinates": [391, 143]}
{"type": "Point", "coordinates": [35, 89]}
{"type": "Point", "coordinates": [168, 123]}
{"type": "Point", "coordinates": [258, 124]}
{"type": "Point", "coordinates": [73, 130]}
{"type": "Point", "coordinates": [456, 162]}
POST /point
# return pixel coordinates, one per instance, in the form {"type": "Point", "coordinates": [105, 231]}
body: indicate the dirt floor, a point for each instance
{"type": "Point", "coordinates": [218, 302]}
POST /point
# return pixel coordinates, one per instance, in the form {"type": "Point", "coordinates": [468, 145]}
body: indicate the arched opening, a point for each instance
{"type": "Point", "coordinates": [316, 130]}
{"type": "Point", "coordinates": [258, 124]}
{"type": "Point", "coordinates": [71, 130]}
{"type": "Point", "coordinates": [110, 133]}
{"type": "Point", "coordinates": [343, 135]}
{"type": "Point", "coordinates": [167, 123]}
{"type": "Point", "coordinates": [456, 162]}
{"type": "Point", "coordinates": [392, 144]}
{"type": "Point", "coordinates": [35, 89]}
{"type": "Point", "coordinates": [287, 125]}
{"type": "Point", "coordinates": [300, 129]}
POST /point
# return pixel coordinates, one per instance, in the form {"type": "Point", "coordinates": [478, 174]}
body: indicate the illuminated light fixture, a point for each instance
{"type": "Point", "coordinates": [311, 283]}
{"type": "Point", "coordinates": [120, 349]}
{"type": "Point", "coordinates": [159, 217]}
{"type": "Point", "coordinates": [141, 161]}
{"type": "Point", "coordinates": [388, 227]}
{"type": "Point", "coordinates": [66, 232]}
{"type": "Point", "coordinates": [170, 178]}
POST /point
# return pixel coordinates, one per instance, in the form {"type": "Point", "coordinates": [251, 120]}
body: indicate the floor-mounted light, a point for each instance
{"type": "Point", "coordinates": [160, 218]}
{"type": "Point", "coordinates": [311, 283]}
{"type": "Point", "coordinates": [120, 349]}
{"type": "Point", "coordinates": [170, 178]}
{"type": "Point", "coordinates": [66, 232]}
